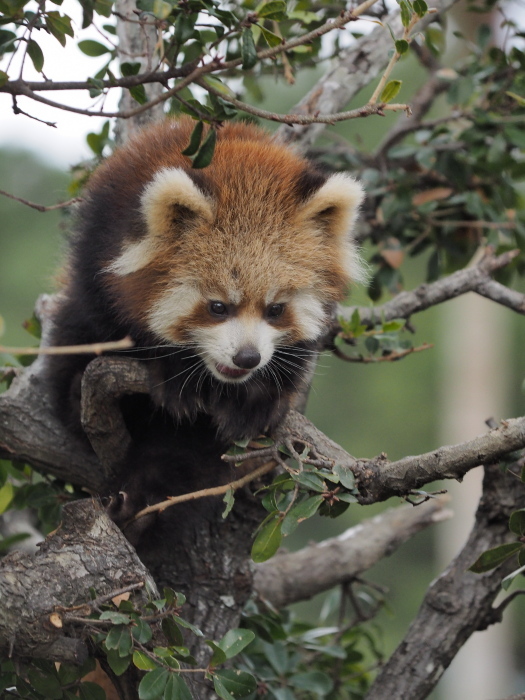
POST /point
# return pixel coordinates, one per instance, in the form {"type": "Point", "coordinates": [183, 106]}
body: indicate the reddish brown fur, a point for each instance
{"type": "Point", "coordinates": [244, 230]}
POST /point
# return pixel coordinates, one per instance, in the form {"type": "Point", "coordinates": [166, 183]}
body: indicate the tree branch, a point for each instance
{"type": "Point", "coordinates": [458, 603]}
{"type": "Point", "coordinates": [290, 578]}
{"type": "Point", "coordinates": [86, 552]}
{"type": "Point", "coordinates": [472, 279]}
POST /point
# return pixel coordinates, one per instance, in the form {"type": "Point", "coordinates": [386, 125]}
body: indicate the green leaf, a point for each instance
{"type": "Point", "coordinates": [93, 48]}
{"type": "Point", "coordinates": [116, 618]}
{"type": "Point", "coordinates": [128, 69]}
{"type": "Point", "coordinates": [87, 12]}
{"type": "Point", "coordinates": [346, 477]}
{"type": "Point", "coordinates": [91, 691]}
{"type": "Point", "coordinates": [390, 90]}
{"type": "Point", "coordinates": [229, 500]}
{"type": "Point", "coordinates": [6, 496]}
{"type": "Point", "coordinates": [300, 512]}
{"type": "Point", "coordinates": [402, 46]}
{"type": "Point", "coordinates": [3, 78]}
{"type": "Point", "coordinates": [104, 7]}
{"type": "Point", "coordinates": [45, 683]}
{"type": "Point", "coordinates": [230, 684]}
{"type": "Point", "coordinates": [59, 25]}
{"type": "Point", "coordinates": [176, 688]}
{"type": "Point", "coordinates": [249, 52]}
{"type": "Point", "coordinates": [161, 9]}
{"type": "Point", "coordinates": [117, 663]}
{"type": "Point", "coordinates": [142, 661]}
{"type": "Point", "coordinates": [267, 541]}
{"type": "Point", "coordinates": [420, 7]}
{"type": "Point", "coordinates": [517, 522]}
{"type": "Point", "coordinates": [141, 631]}
{"type": "Point", "coordinates": [184, 27]}
{"type": "Point", "coordinates": [310, 481]}
{"type": "Point", "coordinates": [234, 641]}
{"type": "Point", "coordinates": [274, 9]}
{"type": "Point", "coordinates": [152, 685]}
{"type": "Point", "coordinates": [195, 139]}
{"type": "Point", "coordinates": [172, 631]}
{"type": "Point", "coordinates": [510, 578]}
{"type": "Point", "coordinates": [35, 54]}
{"type": "Point", "coordinates": [189, 626]}
{"type": "Point", "coordinates": [138, 92]}
{"type": "Point", "coordinates": [405, 13]}
{"type": "Point", "coordinates": [218, 656]}
{"type": "Point", "coordinates": [271, 38]}
{"type": "Point", "coordinates": [494, 557]}
{"type": "Point", "coordinates": [205, 153]}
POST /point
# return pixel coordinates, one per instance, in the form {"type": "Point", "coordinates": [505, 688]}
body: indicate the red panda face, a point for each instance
{"type": "Point", "coordinates": [236, 261]}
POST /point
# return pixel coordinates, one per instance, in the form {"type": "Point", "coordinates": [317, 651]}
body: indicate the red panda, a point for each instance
{"type": "Point", "coordinates": [226, 278]}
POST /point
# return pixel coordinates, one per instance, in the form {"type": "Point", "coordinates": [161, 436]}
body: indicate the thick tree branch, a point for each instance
{"type": "Point", "coordinates": [289, 578]}
{"type": "Point", "coordinates": [458, 603]}
{"type": "Point", "coordinates": [86, 552]}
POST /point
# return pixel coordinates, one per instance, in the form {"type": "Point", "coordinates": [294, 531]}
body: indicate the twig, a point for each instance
{"type": "Point", "coordinates": [395, 58]}
{"type": "Point", "coordinates": [387, 357]}
{"type": "Point", "coordinates": [473, 279]}
{"type": "Point", "coordinates": [205, 493]}
{"type": "Point", "coordinates": [41, 207]}
{"type": "Point", "coordinates": [92, 348]}
{"type": "Point", "coordinates": [303, 119]}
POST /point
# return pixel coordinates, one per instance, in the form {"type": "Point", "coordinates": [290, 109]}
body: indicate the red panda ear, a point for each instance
{"type": "Point", "coordinates": [171, 201]}
{"type": "Point", "coordinates": [334, 206]}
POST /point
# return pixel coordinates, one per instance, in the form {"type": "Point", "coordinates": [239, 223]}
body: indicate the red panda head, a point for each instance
{"type": "Point", "coordinates": [243, 257]}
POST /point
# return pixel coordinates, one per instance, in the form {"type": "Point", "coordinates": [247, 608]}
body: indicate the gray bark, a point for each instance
{"type": "Point", "coordinates": [86, 551]}
{"type": "Point", "coordinates": [458, 603]}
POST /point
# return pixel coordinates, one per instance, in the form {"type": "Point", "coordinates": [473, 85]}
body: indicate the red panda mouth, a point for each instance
{"type": "Point", "coordinates": [232, 373]}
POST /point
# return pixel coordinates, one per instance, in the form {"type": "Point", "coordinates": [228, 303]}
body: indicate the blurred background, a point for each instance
{"type": "Point", "coordinates": [475, 371]}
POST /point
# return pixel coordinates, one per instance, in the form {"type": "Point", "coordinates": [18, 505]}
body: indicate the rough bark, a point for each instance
{"type": "Point", "coordinates": [137, 43]}
{"type": "Point", "coordinates": [86, 552]}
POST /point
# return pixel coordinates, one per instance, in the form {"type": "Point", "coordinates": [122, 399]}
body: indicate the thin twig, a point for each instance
{"type": "Point", "coordinates": [205, 493]}
{"type": "Point", "coordinates": [41, 207]}
{"type": "Point", "coordinates": [390, 357]}
{"type": "Point", "coordinates": [91, 348]}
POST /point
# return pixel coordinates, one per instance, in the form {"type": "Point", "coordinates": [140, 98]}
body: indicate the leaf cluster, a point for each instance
{"type": "Point", "coordinates": [296, 659]}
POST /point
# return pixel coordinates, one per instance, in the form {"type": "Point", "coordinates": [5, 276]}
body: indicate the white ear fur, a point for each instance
{"type": "Point", "coordinates": [341, 193]}
{"type": "Point", "coordinates": [171, 187]}
{"type": "Point", "coordinates": [335, 206]}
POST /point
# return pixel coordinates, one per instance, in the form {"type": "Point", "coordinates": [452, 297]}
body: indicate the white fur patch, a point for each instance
{"type": "Point", "coordinates": [174, 304]}
{"type": "Point", "coordinates": [134, 257]}
{"type": "Point", "coordinates": [346, 195]}
{"type": "Point", "coordinates": [220, 343]}
{"type": "Point", "coordinates": [309, 313]}
{"type": "Point", "coordinates": [169, 187]}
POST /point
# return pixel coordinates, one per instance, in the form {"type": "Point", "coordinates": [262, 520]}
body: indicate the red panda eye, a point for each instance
{"type": "Point", "coordinates": [275, 310]}
{"type": "Point", "coordinates": [217, 308]}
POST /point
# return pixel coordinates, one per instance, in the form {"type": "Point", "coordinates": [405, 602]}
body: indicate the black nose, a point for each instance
{"type": "Point", "coordinates": [247, 358]}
